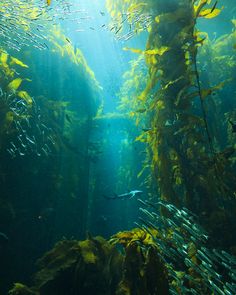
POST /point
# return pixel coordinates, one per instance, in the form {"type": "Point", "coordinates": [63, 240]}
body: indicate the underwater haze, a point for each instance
{"type": "Point", "coordinates": [117, 147]}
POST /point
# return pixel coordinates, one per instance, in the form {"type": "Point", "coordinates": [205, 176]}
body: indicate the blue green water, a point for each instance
{"type": "Point", "coordinates": [71, 149]}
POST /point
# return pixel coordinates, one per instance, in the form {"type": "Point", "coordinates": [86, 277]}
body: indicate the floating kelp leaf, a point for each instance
{"type": "Point", "coordinates": [199, 7]}
{"type": "Point", "coordinates": [206, 92]}
{"type": "Point", "coordinates": [142, 137]}
{"type": "Point", "coordinates": [222, 84]}
{"type": "Point", "coordinates": [208, 13]}
{"type": "Point", "coordinates": [140, 111]}
{"type": "Point", "coordinates": [132, 114]}
{"type": "Point", "coordinates": [19, 288]}
{"type": "Point", "coordinates": [160, 105]}
{"type": "Point", "coordinates": [143, 170]}
{"type": "Point", "coordinates": [24, 95]}
{"type": "Point", "coordinates": [172, 82]}
{"type": "Point", "coordinates": [126, 238]}
{"type": "Point", "coordinates": [200, 41]}
{"type": "Point", "coordinates": [155, 76]}
{"type": "Point", "coordinates": [15, 84]}
{"type": "Point", "coordinates": [188, 58]}
{"type": "Point", "coordinates": [151, 60]}
{"type": "Point", "coordinates": [139, 51]}
{"type": "Point", "coordinates": [158, 19]}
{"type": "Point", "coordinates": [178, 180]}
{"type": "Point", "coordinates": [18, 62]}
{"type": "Point", "coordinates": [3, 58]}
{"type": "Point", "coordinates": [143, 96]}
{"type": "Point", "coordinates": [157, 51]}
{"type": "Point", "coordinates": [9, 117]}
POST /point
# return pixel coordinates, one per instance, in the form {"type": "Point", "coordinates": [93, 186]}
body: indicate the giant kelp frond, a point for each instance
{"type": "Point", "coordinates": [179, 137]}
{"type": "Point", "coordinates": [20, 289]}
{"type": "Point", "coordinates": [136, 235]}
{"type": "Point", "coordinates": [201, 11]}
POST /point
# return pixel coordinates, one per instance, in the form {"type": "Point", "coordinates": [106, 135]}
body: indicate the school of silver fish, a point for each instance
{"type": "Point", "coordinates": [26, 23]}
{"type": "Point", "coordinates": [130, 24]}
{"type": "Point", "coordinates": [31, 135]}
{"type": "Point", "coordinates": [214, 269]}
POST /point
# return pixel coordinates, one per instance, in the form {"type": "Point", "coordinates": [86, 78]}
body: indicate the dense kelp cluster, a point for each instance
{"type": "Point", "coordinates": [73, 267]}
{"type": "Point", "coordinates": [18, 106]}
{"type": "Point", "coordinates": [45, 117]}
{"type": "Point", "coordinates": [189, 164]}
{"type": "Point", "coordinates": [95, 266]}
{"type": "Point", "coordinates": [161, 256]}
{"type": "Point", "coordinates": [218, 57]}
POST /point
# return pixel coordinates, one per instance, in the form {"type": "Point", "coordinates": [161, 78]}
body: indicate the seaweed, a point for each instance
{"type": "Point", "coordinates": [143, 270]}
{"type": "Point", "coordinates": [20, 289]}
{"type": "Point", "coordinates": [182, 150]}
{"type": "Point", "coordinates": [95, 266]}
{"type": "Point", "coordinates": [73, 267]}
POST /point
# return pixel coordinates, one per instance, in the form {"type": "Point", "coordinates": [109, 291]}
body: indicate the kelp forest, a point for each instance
{"type": "Point", "coordinates": [117, 147]}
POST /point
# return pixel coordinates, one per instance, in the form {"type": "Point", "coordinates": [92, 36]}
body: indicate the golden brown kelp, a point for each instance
{"type": "Point", "coordinates": [143, 270]}
{"type": "Point", "coordinates": [67, 109]}
{"type": "Point", "coordinates": [71, 267]}
{"type": "Point", "coordinates": [60, 112]}
{"type": "Point", "coordinates": [179, 130]}
{"type": "Point", "coordinates": [94, 266]}
{"type": "Point", "coordinates": [20, 289]}
{"type": "Point", "coordinates": [15, 102]}
{"type": "Point", "coordinates": [186, 166]}
{"type": "Point", "coordinates": [162, 256]}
